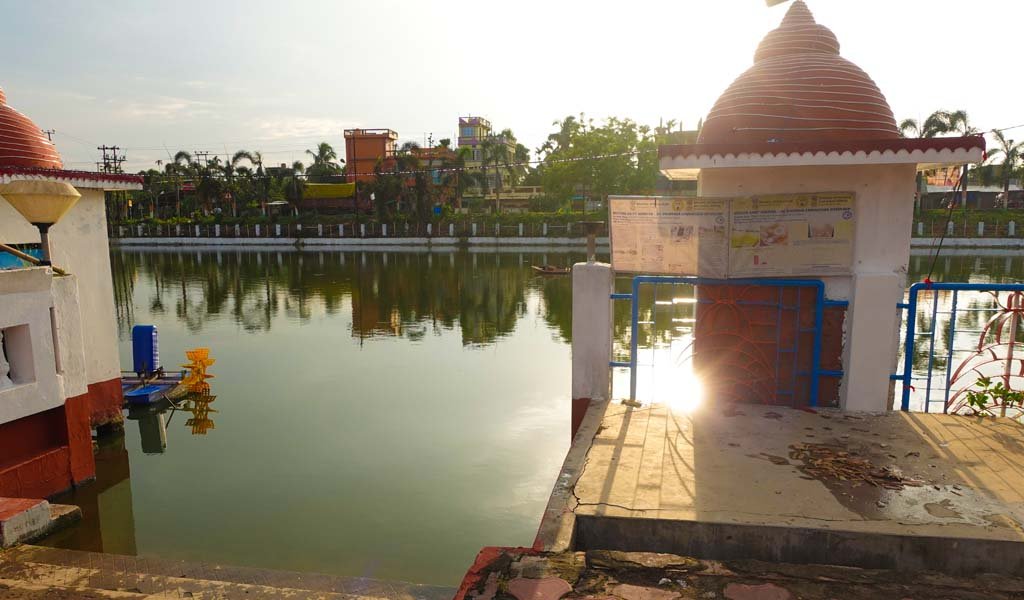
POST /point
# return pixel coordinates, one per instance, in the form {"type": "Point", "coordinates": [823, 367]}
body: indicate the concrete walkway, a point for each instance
{"type": "Point", "coordinates": [30, 572]}
{"type": "Point", "coordinates": [900, 490]}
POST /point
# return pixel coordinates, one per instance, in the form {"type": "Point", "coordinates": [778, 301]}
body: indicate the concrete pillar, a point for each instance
{"type": "Point", "coordinates": [473, 228]}
{"type": "Point", "coordinates": [920, 228]}
{"type": "Point", "coordinates": [236, 229]}
{"type": "Point", "coordinates": [451, 230]}
{"type": "Point", "coordinates": [277, 229]}
{"type": "Point", "coordinates": [544, 230]}
{"type": "Point", "coordinates": [949, 228]}
{"type": "Point", "coordinates": [257, 230]}
{"type": "Point", "coordinates": [138, 229]}
{"type": "Point", "coordinates": [216, 230]}
{"type": "Point", "coordinates": [197, 231]}
{"type": "Point", "coordinates": [384, 230]}
{"type": "Point", "coordinates": [872, 338]}
{"type": "Point", "coordinates": [177, 230]}
{"type": "Point", "coordinates": [430, 227]}
{"type": "Point", "coordinates": [981, 228]}
{"type": "Point", "coordinates": [362, 230]}
{"type": "Point", "coordinates": [1011, 228]}
{"type": "Point", "coordinates": [320, 230]}
{"type": "Point", "coordinates": [520, 230]}
{"type": "Point", "coordinates": [592, 285]}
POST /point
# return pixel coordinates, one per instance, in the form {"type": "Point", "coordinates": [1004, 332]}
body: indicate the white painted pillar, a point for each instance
{"type": "Point", "coordinates": [451, 230]}
{"type": "Point", "coordinates": [362, 230]}
{"type": "Point", "coordinates": [592, 285]}
{"type": "Point", "coordinates": [384, 230]}
{"type": "Point", "coordinates": [473, 229]}
{"type": "Point", "coordinates": [1011, 228]}
{"type": "Point", "coordinates": [236, 229]}
{"type": "Point", "coordinates": [430, 228]}
{"type": "Point", "coordinates": [216, 230]}
{"type": "Point", "coordinates": [544, 230]}
{"type": "Point", "coordinates": [320, 230]}
{"type": "Point", "coordinates": [138, 229]}
{"type": "Point", "coordinates": [257, 230]}
{"type": "Point", "coordinates": [520, 230]}
{"type": "Point", "coordinates": [949, 228]}
{"type": "Point", "coordinates": [197, 231]}
{"type": "Point", "coordinates": [872, 327]}
{"type": "Point", "coordinates": [277, 229]}
{"type": "Point", "coordinates": [981, 228]}
{"type": "Point", "coordinates": [920, 228]}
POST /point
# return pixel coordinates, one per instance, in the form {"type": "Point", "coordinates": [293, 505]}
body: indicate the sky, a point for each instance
{"type": "Point", "coordinates": [278, 77]}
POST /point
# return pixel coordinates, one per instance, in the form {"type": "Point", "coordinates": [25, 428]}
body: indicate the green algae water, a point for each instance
{"type": "Point", "coordinates": [379, 414]}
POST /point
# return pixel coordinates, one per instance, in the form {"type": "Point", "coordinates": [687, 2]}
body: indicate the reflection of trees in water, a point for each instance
{"type": "Point", "coordinates": [390, 294]}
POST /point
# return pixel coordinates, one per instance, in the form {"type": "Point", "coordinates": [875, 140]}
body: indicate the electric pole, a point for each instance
{"type": "Point", "coordinates": [111, 159]}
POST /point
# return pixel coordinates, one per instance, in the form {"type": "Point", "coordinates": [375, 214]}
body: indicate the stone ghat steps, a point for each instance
{"type": "Point", "coordinates": [36, 572]}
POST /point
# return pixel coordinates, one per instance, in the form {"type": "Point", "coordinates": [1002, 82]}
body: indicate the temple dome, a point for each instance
{"type": "Point", "coordinates": [22, 143]}
{"type": "Point", "coordinates": [800, 90]}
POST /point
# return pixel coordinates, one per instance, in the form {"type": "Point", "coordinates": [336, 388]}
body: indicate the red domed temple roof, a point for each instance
{"type": "Point", "coordinates": [27, 153]}
{"type": "Point", "coordinates": [802, 97]}
{"type": "Point", "coordinates": [22, 142]}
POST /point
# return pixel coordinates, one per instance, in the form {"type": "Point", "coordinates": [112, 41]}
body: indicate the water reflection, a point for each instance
{"type": "Point", "coordinates": [108, 518]}
{"type": "Point", "coordinates": [399, 294]}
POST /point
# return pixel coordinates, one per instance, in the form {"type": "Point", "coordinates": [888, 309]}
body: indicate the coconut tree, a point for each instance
{"type": "Point", "coordinates": [325, 162]}
{"type": "Point", "coordinates": [957, 122]}
{"type": "Point", "coordinates": [1011, 154]}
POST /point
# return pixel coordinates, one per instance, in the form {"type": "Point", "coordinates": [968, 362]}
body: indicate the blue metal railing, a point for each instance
{"type": "Point", "coordinates": [820, 303]}
{"type": "Point", "coordinates": [906, 378]}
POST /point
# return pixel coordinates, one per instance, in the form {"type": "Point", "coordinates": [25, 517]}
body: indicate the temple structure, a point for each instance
{"type": "Point", "coordinates": [59, 365]}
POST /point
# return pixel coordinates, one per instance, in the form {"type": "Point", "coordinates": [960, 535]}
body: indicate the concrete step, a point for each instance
{"type": "Point", "coordinates": [157, 578]}
{"type": "Point", "coordinates": [12, 589]}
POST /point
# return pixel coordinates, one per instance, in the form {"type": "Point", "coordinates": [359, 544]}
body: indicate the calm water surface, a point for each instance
{"type": "Point", "coordinates": [378, 414]}
{"type": "Point", "coordinates": [382, 414]}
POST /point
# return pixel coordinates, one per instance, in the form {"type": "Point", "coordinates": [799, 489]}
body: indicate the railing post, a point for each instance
{"type": "Point", "coordinates": [920, 228]}
{"type": "Point", "coordinates": [520, 230]}
{"type": "Point", "coordinates": [473, 229]}
{"type": "Point", "coordinates": [544, 230]}
{"type": "Point", "coordinates": [1011, 228]}
{"type": "Point", "coordinates": [981, 228]}
{"type": "Point", "coordinates": [451, 230]}
{"type": "Point", "coordinates": [430, 228]}
{"type": "Point", "coordinates": [320, 230]}
{"type": "Point", "coordinates": [216, 230]}
{"type": "Point", "coordinates": [949, 228]}
{"type": "Point", "coordinates": [362, 230]}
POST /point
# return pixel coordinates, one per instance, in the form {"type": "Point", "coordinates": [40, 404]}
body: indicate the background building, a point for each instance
{"type": "Point", "coordinates": [364, 149]}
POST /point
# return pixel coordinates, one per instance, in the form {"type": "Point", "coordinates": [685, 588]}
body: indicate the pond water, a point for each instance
{"type": "Point", "coordinates": [382, 414]}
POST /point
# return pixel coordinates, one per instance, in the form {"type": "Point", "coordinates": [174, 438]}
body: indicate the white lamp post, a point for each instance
{"type": "Point", "coordinates": [42, 203]}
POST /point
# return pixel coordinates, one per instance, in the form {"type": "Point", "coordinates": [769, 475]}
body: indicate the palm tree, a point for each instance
{"type": "Point", "coordinates": [957, 122]}
{"type": "Point", "coordinates": [1011, 153]}
{"type": "Point", "coordinates": [325, 162]}
{"type": "Point", "coordinates": [294, 186]}
{"type": "Point", "coordinates": [934, 125]}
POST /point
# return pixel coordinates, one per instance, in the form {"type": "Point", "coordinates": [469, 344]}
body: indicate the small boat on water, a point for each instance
{"type": "Point", "coordinates": [550, 269]}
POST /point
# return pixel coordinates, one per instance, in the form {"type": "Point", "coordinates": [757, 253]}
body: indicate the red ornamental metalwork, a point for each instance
{"type": "Point", "coordinates": [998, 357]}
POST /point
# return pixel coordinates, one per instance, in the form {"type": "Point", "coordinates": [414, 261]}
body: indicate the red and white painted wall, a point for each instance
{"type": "Point", "coordinates": [59, 366]}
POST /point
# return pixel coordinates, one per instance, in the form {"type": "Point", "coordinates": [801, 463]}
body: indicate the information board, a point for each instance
{"type": "Point", "coordinates": [791, 234]}
{"type": "Point", "coordinates": [670, 235]}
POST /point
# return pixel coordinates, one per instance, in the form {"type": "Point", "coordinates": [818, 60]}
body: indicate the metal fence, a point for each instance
{"type": "Point", "coordinates": [761, 337]}
{"type": "Point", "coordinates": [954, 335]}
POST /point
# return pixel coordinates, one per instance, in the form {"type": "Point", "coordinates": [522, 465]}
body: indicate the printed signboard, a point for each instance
{"type": "Point", "coordinates": [790, 235]}
{"type": "Point", "coordinates": [668, 235]}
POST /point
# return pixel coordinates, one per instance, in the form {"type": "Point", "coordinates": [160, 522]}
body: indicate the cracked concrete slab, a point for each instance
{"type": "Point", "coordinates": [807, 483]}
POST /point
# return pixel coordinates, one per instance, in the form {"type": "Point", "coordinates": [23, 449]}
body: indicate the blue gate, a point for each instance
{"type": "Point", "coordinates": [954, 335]}
{"type": "Point", "coordinates": [773, 327]}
